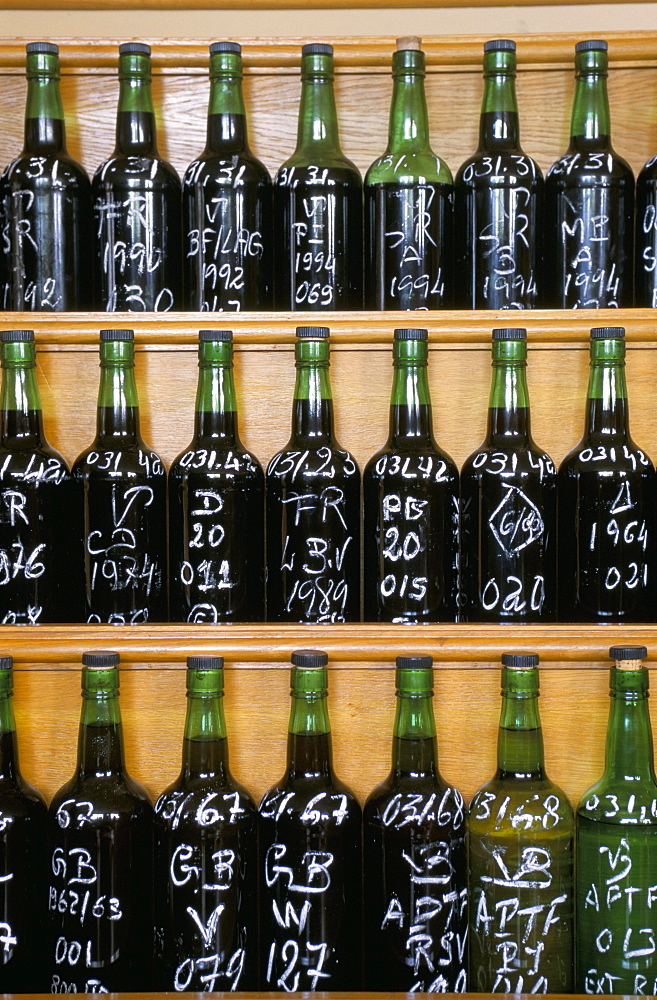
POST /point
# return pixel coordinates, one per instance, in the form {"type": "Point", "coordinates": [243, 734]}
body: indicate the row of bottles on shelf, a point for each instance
{"type": "Point", "coordinates": [484, 545]}
{"type": "Point", "coordinates": [495, 238]}
{"type": "Point", "coordinates": [416, 893]}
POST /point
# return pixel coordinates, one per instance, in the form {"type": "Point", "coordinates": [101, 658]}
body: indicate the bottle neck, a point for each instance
{"type": "Point", "coordinates": [629, 745]}
{"type": "Point", "coordinates": [498, 125]}
{"type": "Point", "coordinates": [606, 411]}
{"type": "Point", "coordinates": [205, 746]}
{"type": "Point", "coordinates": [410, 402]}
{"type": "Point", "coordinates": [309, 750]}
{"type": "Point", "coordinates": [100, 740]}
{"type": "Point", "coordinates": [414, 746]}
{"type": "Point", "coordinates": [508, 408]}
{"type": "Point", "coordinates": [227, 128]}
{"type": "Point", "coordinates": [22, 420]}
{"type": "Point", "coordinates": [44, 114]}
{"type": "Point", "coordinates": [216, 404]}
{"type": "Point", "coordinates": [408, 129]}
{"type": "Point", "coordinates": [118, 407]}
{"type": "Point", "coordinates": [312, 413]}
{"type": "Point", "coordinates": [135, 120]}
{"type": "Point", "coordinates": [520, 738]}
{"type": "Point", "coordinates": [9, 769]}
{"type": "Point", "coordinates": [590, 122]}
{"type": "Point", "coordinates": [318, 120]}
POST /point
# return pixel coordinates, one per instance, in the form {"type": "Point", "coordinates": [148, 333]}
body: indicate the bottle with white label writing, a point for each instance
{"type": "Point", "coordinates": [607, 503]}
{"type": "Point", "coordinates": [616, 861]}
{"type": "Point", "coordinates": [23, 862]}
{"type": "Point", "coordinates": [498, 201]}
{"type": "Point", "coordinates": [47, 196]}
{"type": "Point", "coordinates": [124, 483]}
{"type": "Point", "coordinates": [227, 203]}
{"type": "Point", "coordinates": [520, 856]}
{"type": "Point", "coordinates": [206, 863]}
{"type": "Point", "coordinates": [313, 504]}
{"type": "Point", "coordinates": [508, 505]}
{"type": "Point", "coordinates": [645, 237]}
{"type": "Point", "coordinates": [216, 505]}
{"type": "Point", "coordinates": [411, 504]}
{"type": "Point", "coordinates": [415, 879]}
{"type": "Point", "coordinates": [310, 851]}
{"type": "Point", "coordinates": [589, 201]}
{"type": "Point", "coordinates": [41, 577]}
{"type": "Point", "coordinates": [408, 201]}
{"type": "Point", "coordinates": [318, 203]}
{"type": "Point", "coordinates": [136, 203]}
{"type": "Point", "coordinates": [100, 837]}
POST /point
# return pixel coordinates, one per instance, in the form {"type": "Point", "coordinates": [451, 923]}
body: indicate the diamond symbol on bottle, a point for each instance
{"type": "Point", "coordinates": [516, 522]}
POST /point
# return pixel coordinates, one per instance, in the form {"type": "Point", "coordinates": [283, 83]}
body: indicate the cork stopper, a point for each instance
{"type": "Point", "coordinates": [628, 657]}
{"type": "Point", "coordinates": [409, 43]}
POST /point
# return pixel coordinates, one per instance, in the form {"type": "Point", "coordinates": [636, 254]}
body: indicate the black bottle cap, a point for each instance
{"type": "Point", "coordinates": [117, 335]}
{"type": "Point", "coordinates": [309, 659]}
{"type": "Point", "coordinates": [411, 333]}
{"type": "Point", "coordinates": [628, 652]}
{"type": "Point", "coordinates": [42, 48]}
{"type": "Point", "coordinates": [510, 333]}
{"type": "Point", "coordinates": [414, 662]}
{"type": "Point", "coordinates": [313, 332]}
{"type": "Point", "coordinates": [215, 335]}
{"type": "Point", "coordinates": [607, 333]}
{"type": "Point", "coordinates": [101, 659]}
{"type": "Point", "coordinates": [317, 49]}
{"type": "Point", "coordinates": [134, 49]}
{"type": "Point", "coordinates": [500, 45]}
{"type": "Point", "coordinates": [16, 336]}
{"type": "Point", "coordinates": [6, 662]}
{"type": "Point", "coordinates": [521, 661]}
{"type": "Point", "coordinates": [205, 662]}
{"type": "Point", "coordinates": [225, 47]}
{"type": "Point", "coordinates": [593, 45]}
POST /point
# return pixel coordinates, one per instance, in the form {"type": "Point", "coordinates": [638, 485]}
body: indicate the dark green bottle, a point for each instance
{"type": "Point", "coordinates": [47, 202]}
{"type": "Point", "coordinates": [415, 886]}
{"type": "Point", "coordinates": [616, 863]}
{"type": "Point", "coordinates": [589, 201]}
{"type": "Point", "coordinates": [508, 505]}
{"type": "Point", "coordinates": [498, 201]}
{"type": "Point", "coordinates": [124, 484]}
{"type": "Point", "coordinates": [520, 856]}
{"type": "Point", "coordinates": [100, 833]}
{"type": "Point", "coordinates": [607, 503]}
{"type": "Point", "coordinates": [216, 505]}
{"type": "Point", "coordinates": [645, 237]}
{"type": "Point", "coordinates": [206, 855]}
{"type": "Point", "coordinates": [408, 201]}
{"type": "Point", "coordinates": [310, 850]}
{"type": "Point", "coordinates": [23, 861]}
{"type": "Point", "coordinates": [137, 206]}
{"type": "Point", "coordinates": [411, 504]}
{"type": "Point", "coordinates": [227, 203]}
{"type": "Point", "coordinates": [318, 203]}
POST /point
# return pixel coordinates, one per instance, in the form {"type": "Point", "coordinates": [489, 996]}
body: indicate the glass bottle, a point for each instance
{"type": "Point", "coordinates": [206, 855]}
{"type": "Point", "coordinates": [589, 201]}
{"type": "Point", "coordinates": [318, 203]}
{"type": "Point", "coordinates": [415, 883]}
{"type": "Point", "coordinates": [100, 833]}
{"type": "Point", "coordinates": [23, 861]}
{"type": "Point", "coordinates": [227, 203]}
{"type": "Point", "coordinates": [616, 864]}
{"type": "Point", "coordinates": [216, 504]}
{"type": "Point", "coordinates": [408, 201]}
{"type": "Point", "coordinates": [124, 483]}
{"type": "Point", "coordinates": [47, 202]}
{"type": "Point", "coordinates": [498, 201]}
{"type": "Point", "coordinates": [40, 505]}
{"type": "Point", "coordinates": [520, 856]}
{"type": "Point", "coordinates": [411, 504]}
{"type": "Point", "coordinates": [136, 203]}
{"type": "Point", "coordinates": [508, 505]}
{"type": "Point", "coordinates": [645, 241]}
{"type": "Point", "coordinates": [607, 503]}
{"type": "Point", "coordinates": [310, 849]}
{"type": "Point", "coordinates": [313, 503]}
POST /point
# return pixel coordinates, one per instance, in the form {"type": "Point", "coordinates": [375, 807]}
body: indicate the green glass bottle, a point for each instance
{"type": "Point", "coordinates": [520, 856]}
{"type": "Point", "coordinates": [318, 203]}
{"type": "Point", "coordinates": [206, 865]}
{"type": "Point", "coordinates": [616, 862]}
{"type": "Point", "coordinates": [310, 853]}
{"type": "Point", "coordinates": [415, 884]}
{"type": "Point", "coordinates": [408, 201]}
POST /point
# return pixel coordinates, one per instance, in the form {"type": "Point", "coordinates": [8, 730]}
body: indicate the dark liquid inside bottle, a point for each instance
{"type": "Point", "coordinates": [409, 246]}
{"type": "Point", "coordinates": [645, 249]}
{"type": "Point", "coordinates": [415, 880]}
{"type": "Point", "coordinates": [100, 896]}
{"type": "Point", "coordinates": [227, 205]}
{"type": "Point", "coordinates": [318, 214]}
{"type": "Point", "coordinates": [206, 879]}
{"type": "Point", "coordinates": [49, 225]}
{"type": "Point", "coordinates": [310, 843]}
{"type": "Point", "coordinates": [23, 881]}
{"type": "Point", "coordinates": [411, 532]}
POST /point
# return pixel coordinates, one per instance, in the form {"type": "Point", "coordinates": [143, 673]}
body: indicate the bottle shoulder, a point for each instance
{"type": "Point", "coordinates": [321, 459]}
{"type": "Point", "coordinates": [510, 462]}
{"type": "Point", "coordinates": [131, 172]}
{"type": "Point", "coordinates": [409, 169]}
{"type": "Point", "coordinates": [511, 806]}
{"type": "Point", "coordinates": [503, 168]}
{"type": "Point", "coordinates": [124, 459]}
{"type": "Point", "coordinates": [598, 168]}
{"type": "Point", "coordinates": [598, 455]}
{"type": "Point", "coordinates": [19, 799]}
{"type": "Point", "coordinates": [204, 804]}
{"type": "Point", "coordinates": [320, 170]}
{"type": "Point", "coordinates": [412, 800]}
{"type": "Point", "coordinates": [211, 170]}
{"type": "Point", "coordinates": [411, 465]}
{"type": "Point", "coordinates": [617, 800]}
{"type": "Point", "coordinates": [214, 461]}
{"type": "Point", "coordinates": [311, 800]}
{"type": "Point", "coordinates": [32, 464]}
{"type": "Point", "coordinates": [43, 172]}
{"type": "Point", "coordinates": [92, 801]}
